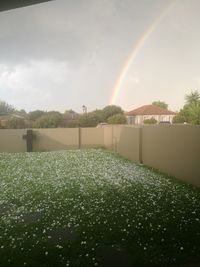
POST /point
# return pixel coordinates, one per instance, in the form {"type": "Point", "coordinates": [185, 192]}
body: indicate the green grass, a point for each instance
{"type": "Point", "coordinates": [89, 208]}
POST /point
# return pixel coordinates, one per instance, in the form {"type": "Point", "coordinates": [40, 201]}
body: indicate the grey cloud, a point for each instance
{"type": "Point", "coordinates": [70, 30]}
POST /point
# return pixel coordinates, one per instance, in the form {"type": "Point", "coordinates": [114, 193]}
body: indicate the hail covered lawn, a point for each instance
{"type": "Point", "coordinates": [92, 208]}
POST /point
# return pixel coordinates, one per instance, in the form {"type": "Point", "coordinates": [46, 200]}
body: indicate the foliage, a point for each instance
{"type": "Point", "coordinates": [34, 115]}
{"type": "Point", "coordinates": [117, 119]}
{"type": "Point", "coordinates": [16, 123]}
{"type": "Point", "coordinates": [190, 113]}
{"type": "Point", "coordinates": [70, 119]}
{"type": "Point", "coordinates": [49, 120]}
{"type": "Point", "coordinates": [5, 108]}
{"type": "Point", "coordinates": [111, 110]}
{"type": "Point", "coordinates": [160, 104]}
{"type": "Point", "coordinates": [179, 118]}
{"type": "Point", "coordinates": [52, 119]}
{"type": "Point", "coordinates": [193, 97]}
{"type": "Point", "coordinates": [89, 120]}
{"type": "Point", "coordinates": [99, 114]}
{"type": "Point", "coordinates": [150, 121]}
{"type": "Point", "coordinates": [70, 114]}
{"type": "Point", "coordinates": [194, 113]}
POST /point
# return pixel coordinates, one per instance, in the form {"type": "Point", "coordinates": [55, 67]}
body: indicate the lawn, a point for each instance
{"type": "Point", "coordinates": [93, 208]}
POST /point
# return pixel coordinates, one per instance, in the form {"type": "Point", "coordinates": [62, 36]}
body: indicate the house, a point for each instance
{"type": "Point", "coordinates": [138, 115]}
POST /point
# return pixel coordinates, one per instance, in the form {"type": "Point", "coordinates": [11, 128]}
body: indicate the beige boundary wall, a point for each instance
{"type": "Point", "coordinates": [56, 139]}
{"type": "Point", "coordinates": [11, 140]}
{"type": "Point", "coordinates": [173, 149]}
{"type": "Point", "coordinates": [52, 139]}
{"type": "Point", "coordinates": [91, 137]}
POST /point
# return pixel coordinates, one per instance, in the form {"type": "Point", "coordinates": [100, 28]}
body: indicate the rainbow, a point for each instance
{"type": "Point", "coordinates": [134, 52]}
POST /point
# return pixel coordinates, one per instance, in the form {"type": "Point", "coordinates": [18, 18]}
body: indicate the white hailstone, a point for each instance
{"type": "Point", "coordinates": [58, 246]}
{"type": "Point", "coordinates": [162, 240]}
{"type": "Point", "coordinates": [44, 231]}
{"type": "Point", "coordinates": [2, 246]}
{"type": "Point", "coordinates": [46, 253]}
{"type": "Point", "coordinates": [181, 248]}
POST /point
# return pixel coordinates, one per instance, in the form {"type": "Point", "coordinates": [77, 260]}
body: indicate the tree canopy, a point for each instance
{"type": "Point", "coordinates": [34, 115]}
{"type": "Point", "coordinates": [117, 119]}
{"type": "Point", "coordinates": [89, 120]}
{"type": "Point", "coordinates": [192, 98]}
{"type": "Point", "coordinates": [160, 104]}
{"type": "Point", "coordinates": [111, 110]}
{"type": "Point", "coordinates": [49, 120]}
{"type": "Point", "coordinates": [5, 108]}
{"type": "Point", "coordinates": [190, 113]}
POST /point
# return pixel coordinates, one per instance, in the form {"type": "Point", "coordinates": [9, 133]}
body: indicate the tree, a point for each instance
{"type": "Point", "coordinates": [194, 113]}
{"type": "Point", "coordinates": [150, 121]}
{"type": "Point", "coordinates": [16, 123]}
{"type": "Point", "coordinates": [49, 120]}
{"type": "Point", "coordinates": [111, 110]}
{"type": "Point", "coordinates": [193, 97]}
{"type": "Point", "coordinates": [34, 115]}
{"type": "Point", "coordinates": [70, 119]}
{"type": "Point", "coordinates": [117, 119]}
{"type": "Point", "coordinates": [160, 104]}
{"type": "Point", "coordinates": [190, 113]}
{"type": "Point", "coordinates": [99, 114]}
{"type": "Point", "coordinates": [179, 118]}
{"type": "Point", "coordinates": [5, 108]}
{"type": "Point", "coordinates": [88, 120]}
{"type": "Point", "coordinates": [70, 114]}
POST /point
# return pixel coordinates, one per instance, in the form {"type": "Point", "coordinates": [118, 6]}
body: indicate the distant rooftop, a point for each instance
{"type": "Point", "coordinates": [150, 110]}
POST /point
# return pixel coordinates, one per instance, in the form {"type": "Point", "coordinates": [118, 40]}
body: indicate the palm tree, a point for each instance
{"type": "Point", "coordinates": [193, 97]}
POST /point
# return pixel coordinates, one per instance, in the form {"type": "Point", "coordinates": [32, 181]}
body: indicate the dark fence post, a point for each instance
{"type": "Point", "coordinates": [29, 137]}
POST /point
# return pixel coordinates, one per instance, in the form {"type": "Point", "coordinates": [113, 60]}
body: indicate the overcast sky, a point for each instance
{"type": "Point", "coordinates": [65, 54]}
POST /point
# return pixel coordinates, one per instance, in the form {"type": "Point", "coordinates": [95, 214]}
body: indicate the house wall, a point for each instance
{"type": "Point", "coordinates": [140, 118]}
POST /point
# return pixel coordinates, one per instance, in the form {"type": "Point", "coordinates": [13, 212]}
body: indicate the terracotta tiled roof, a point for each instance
{"type": "Point", "coordinates": [150, 110]}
